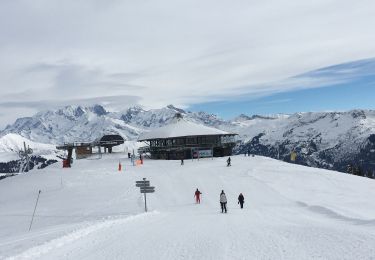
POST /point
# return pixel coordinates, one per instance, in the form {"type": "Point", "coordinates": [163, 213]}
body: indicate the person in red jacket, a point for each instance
{"type": "Point", "coordinates": [197, 196]}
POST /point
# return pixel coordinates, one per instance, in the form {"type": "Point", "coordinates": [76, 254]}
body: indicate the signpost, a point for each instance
{"type": "Point", "coordinates": [148, 190]}
{"type": "Point", "coordinates": [145, 188]}
{"type": "Point", "coordinates": [142, 183]}
{"type": "Point", "coordinates": [25, 158]}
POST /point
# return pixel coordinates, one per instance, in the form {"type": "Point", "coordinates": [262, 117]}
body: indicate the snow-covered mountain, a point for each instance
{"type": "Point", "coordinates": [325, 139]}
{"type": "Point", "coordinates": [77, 123]}
{"type": "Point", "coordinates": [10, 146]}
{"type": "Point", "coordinates": [71, 123]}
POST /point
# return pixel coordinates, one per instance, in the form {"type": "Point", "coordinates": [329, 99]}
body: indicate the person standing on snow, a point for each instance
{"type": "Point", "coordinates": [223, 202]}
{"type": "Point", "coordinates": [241, 200]}
{"type": "Point", "coordinates": [197, 196]}
{"type": "Point", "coordinates": [228, 161]}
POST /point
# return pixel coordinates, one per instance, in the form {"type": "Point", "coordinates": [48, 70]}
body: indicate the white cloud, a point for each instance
{"type": "Point", "coordinates": [178, 52]}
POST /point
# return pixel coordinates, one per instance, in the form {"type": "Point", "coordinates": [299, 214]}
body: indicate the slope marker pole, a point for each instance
{"type": "Point", "coordinates": [36, 204]}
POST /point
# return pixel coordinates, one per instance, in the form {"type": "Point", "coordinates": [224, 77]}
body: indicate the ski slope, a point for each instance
{"type": "Point", "coordinates": [93, 211]}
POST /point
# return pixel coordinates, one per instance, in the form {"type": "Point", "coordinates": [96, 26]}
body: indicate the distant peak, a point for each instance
{"type": "Point", "coordinates": [99, 110]}
{"type": "Point", "coordinates": [358, 113]}
{"type": "Point", "coordinates": [135, 108]}
{"type": "Point", "coordinates": [243, 117]}
{"type": "Point", "coordinates": [179, 110]}
{"type": "Point", "coordinates": [71, 111]}
{"type": "Point", "coordinates": [262, 117]}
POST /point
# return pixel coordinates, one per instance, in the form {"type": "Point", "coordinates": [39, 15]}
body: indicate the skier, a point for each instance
{"type": "Point", "coordinates": [223, 202]}
{"type": "Point", "coordinates": [197, 196]}
{"type": "Point", "coordinates": [228, 162]}
{"type": "Point", "coordinates": [182, 161]}
{"type": "Point", "coordinates": [241, 200]}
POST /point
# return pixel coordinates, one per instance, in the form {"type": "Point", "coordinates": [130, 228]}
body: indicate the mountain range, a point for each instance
{"type": "Point", "coordinates": [331, 140]}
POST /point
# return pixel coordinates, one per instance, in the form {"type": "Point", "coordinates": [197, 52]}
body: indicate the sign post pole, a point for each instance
{"type": "Point", "coordinates": [145, 198]}
{"type": "Point", "coordinates": [145, 202]}
{"type": "Point", "coordinates": [145, 187]}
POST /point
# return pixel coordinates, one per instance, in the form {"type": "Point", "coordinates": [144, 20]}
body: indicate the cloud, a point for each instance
{"type": "Point", "coordinates": [116, 102]}
{"type": "Point", "coordinates": [180, 52]}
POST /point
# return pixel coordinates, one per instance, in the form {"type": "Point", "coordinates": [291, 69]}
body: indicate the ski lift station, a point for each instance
{"type": "Point", "coordinates": [186, 140]}
{"type": "Point", "coordinates": [85, 149]}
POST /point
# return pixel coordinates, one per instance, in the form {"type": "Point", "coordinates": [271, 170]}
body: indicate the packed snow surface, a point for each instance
{"type": "Point", "coordinates": [93, 211]}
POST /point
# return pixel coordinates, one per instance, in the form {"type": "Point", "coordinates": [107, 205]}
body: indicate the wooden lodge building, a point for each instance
{"type": "Point", "coordinates": [186, 140]}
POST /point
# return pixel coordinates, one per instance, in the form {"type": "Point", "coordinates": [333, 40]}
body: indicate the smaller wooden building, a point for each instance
{"type": "Point", "coordinates": [85, 149]}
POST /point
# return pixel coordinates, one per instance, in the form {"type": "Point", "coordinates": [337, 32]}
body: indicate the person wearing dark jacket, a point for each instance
{"type": "Point", "coordinates": [241, 200]}
{"type": "Point", "coordinates": [229, 162]}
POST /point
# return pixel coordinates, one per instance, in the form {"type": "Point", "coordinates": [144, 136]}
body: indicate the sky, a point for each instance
{"type": "Point", "coordinates": [228, 57]}
{"type": "Point", "coordinates": [337, 88]}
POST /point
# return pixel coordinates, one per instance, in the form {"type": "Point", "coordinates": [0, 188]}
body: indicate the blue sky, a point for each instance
{"type": "Point", "coordinates": [339, 88]}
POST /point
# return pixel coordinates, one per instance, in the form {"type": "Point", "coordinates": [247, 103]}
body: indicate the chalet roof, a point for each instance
{"type": "Point", "coordinates": [110, 140]}
{"type": "Point", "coordinates": [181, 128]}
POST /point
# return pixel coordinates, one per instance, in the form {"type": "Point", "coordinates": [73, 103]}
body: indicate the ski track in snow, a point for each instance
{"type": "Point", "coordinates": [291, 212]}
{"type": "Point", "coordinates": [75, 235]}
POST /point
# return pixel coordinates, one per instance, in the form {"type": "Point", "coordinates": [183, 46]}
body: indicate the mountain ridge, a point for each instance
{"type": "Point", "coordinates": [321, 139]}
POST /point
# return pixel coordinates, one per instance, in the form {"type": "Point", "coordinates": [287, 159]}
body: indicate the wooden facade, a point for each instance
{"type": "Point", "coordinates": [189, 147]}
{"type": "Point", "coordinates": [83, 151]}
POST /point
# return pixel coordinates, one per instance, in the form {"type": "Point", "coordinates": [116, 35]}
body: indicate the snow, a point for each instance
{"type": "Point", "coordinates": [93, 211]}
{"type": "Point", "coordinates": [180, 128]}
{"type": "Point", "coordinates": [11, 144]}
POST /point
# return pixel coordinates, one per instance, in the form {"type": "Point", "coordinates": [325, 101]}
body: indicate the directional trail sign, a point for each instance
{"type": "Point", "coordinates": [142, 183]}
{"type": "Point", "coordinates": [145, 187]}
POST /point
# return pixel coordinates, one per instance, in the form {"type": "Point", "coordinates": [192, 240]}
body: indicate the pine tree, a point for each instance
{"type": "Point", "coordinates": [349, 169]}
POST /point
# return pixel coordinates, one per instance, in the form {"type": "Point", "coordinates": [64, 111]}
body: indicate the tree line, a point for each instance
{"type": "Point", "coordinates": [360, 171]}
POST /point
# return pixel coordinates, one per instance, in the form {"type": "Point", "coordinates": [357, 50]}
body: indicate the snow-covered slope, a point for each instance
{"type": "Point", "coordinates": [92, 211]}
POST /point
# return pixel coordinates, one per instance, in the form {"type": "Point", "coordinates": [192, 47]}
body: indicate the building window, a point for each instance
{"type": "Point", "coordinates": [191, 140]}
